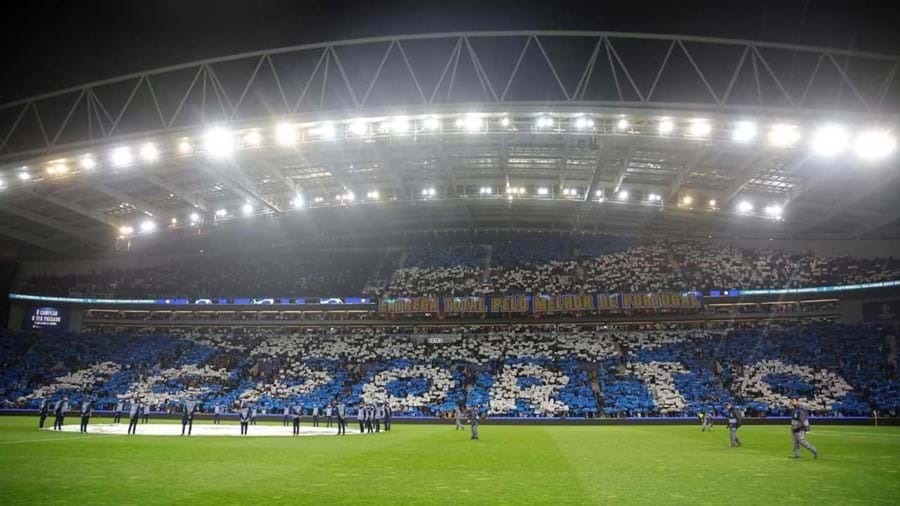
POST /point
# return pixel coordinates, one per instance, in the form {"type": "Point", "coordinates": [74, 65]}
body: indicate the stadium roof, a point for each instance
{"type": "Point", "coordinates": [592, 131]}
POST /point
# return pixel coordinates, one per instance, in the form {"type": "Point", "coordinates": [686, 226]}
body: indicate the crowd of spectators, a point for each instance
{"type": "Point", "coordinates": [573, 370]}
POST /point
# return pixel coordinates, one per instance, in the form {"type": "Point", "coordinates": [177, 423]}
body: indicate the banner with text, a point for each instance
{"type": "Point", "coordinates": [532, 304]}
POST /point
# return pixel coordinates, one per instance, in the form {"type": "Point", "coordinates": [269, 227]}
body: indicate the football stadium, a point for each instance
{"type": "Point", "coordinates": [486, 267]}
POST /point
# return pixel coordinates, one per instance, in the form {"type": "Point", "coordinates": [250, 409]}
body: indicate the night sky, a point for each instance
{"type": "Point", "coordinates": [51, 45]}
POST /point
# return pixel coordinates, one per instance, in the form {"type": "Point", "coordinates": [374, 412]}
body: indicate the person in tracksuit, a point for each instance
{"type": "Point", "coordinates": [244, 416]}
{"type": "Point", "coordinates": [387, 416]}
{"type": "Point", "coordinates": [342, 419]}
{"type": "Point", "coordinates": [379, 416]}
{"type": "Point", "coordinates": [329, 411]}
{"type": "Point", "coordinates": [733, 415]}
{"type": "Point", "coordinates": [799, 428]}
{"type": "Point", "coordinates": [134, 413]}
{"type": "Point", "coordinates": [45, 410]}
{"type": "Point", "coordinates": [315, 415]}
{"type": "Point", "coordinates": [187, 416]}
{"type": "Point", "coordinates": [297, 411]}
{"type": "Point", "coordinates": [217, 413]}
{"type": "Point", "coordinates": [459, 419]}
{"type": "Point", "coordinates": [253, 412]}
{"type": "Point", "coordinates": [707, 420]}
{"type": "Point", "coordinates": [146, 418]}
{"type": "Point", "coordinates": [473, 422]}
{"type": "Point", "coordinates": [286, 416]}
{"type": "Point", "coordinates": [87, 408]}
{"type": "Point", "coordinates": [117, 416]}
{"type": "Point", "coordinates": [59, 412]}
{"type": "Point", "coordinates": [370, 419]}
{"type": "Point", "coordinates": [361, 418]}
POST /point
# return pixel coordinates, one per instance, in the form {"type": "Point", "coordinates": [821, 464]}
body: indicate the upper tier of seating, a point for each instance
{"type": "Point", "coordinates": [531, 264]}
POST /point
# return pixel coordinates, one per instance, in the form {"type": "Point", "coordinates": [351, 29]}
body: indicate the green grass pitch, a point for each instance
{"type": "Point", "coordinates": [431, 464]}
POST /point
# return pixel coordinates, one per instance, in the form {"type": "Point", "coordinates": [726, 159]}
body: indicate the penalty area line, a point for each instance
{"type": "Point", "coordinates": [43, 439]}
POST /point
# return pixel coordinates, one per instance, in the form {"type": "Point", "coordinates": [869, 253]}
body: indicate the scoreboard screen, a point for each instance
{"type": "Point", "coordinates": [47, 318]}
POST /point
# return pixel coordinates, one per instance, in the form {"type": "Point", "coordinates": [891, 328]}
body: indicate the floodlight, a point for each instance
{"type": "Point", "coordinates": [148, 226]}
{"type": "Point", "coordinates": [744, 131]}
{"type": "Point", "coordinates": [373, 195]}
{"type": "Point", "coordinates": [24, 176]}
{"type": "Point", "coordinates": [253, 138]}
{"type": "Point", "coordinates": [665, 127]}
{"type": "Point", "coordinates": [473, 124]}
{"type": "Point", "coordinates": [87, 162]}
{"type": "Point", "coordinates": [219, 143]}
{"type": "Point", "coordinates": [622, 124]}
{"type": "Point", "coordinates": [328, 131]}
{"type": "Point", "coordinates": [400, 125]}
{"type": "Point", "coordinates": [504, 121]}
{"type": "Point", "coordinates": [623, 195]}
{"type": "Point", "coordinates": [712, 202]}
{"type": "Point", "coordinates": [699, 128]}
{"type": "Point", "coordinates": [583, 123]}
{"type": "Point", "coordinates": [774, 211]}
{"type": "Point", "coordinates": [120, 157]}
{"type": "Point", "coordinates": [221, 213]}
{"type": "Point", "coordinates": [783, 135]}
{"type": "Point", "coordinates": [431, 123]}
{"type": "Point", "coordinates": [286, 134]}
{"type": "Point", "coordinates": [745, 206]}
{"type": "Point", "coordinates": [185, 147]}
{"type": "Point", "coordinates": [687, 200]}
{"type": "Point", "coordinates": [359, 127]}
{"type": "Point", "coordinates": [544, 122]}
{"type": "Point", "coordinates": [830, 140]}
{"type": "Point", "coordinates": [194, 217]}
{"type": "Point", "coordinates": [543, 191]}
{"type": "Point", "coordinates": [874, 144]}
{"type": "Point", "coordinates": [149, 153]}
{"type": "Point", "coordinates": [126, 230]}
{"type": "Point", "coordinates": [247, 209]}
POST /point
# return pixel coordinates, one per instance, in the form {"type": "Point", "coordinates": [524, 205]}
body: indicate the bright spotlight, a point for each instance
{"type": "Point", "coordinates": [665, 127]}
{"type": "Point", "coordinates": [247, 209]}
{"type": "Point", "coordinates": [473, 124]}
{"type": "Point", "coordinates": [543, 191]}
{"type": "Point", "coordinates": [622, 124]}
{"type": "Point", "coordinates": [712, 202]}
{"type": "Point", "coordinates": [699, 128]}
{"type": "Point", "coordinates": [745, 207]}
{"type": "Point", "coordinates": [874, 144]}
{"type": "Point", "coordinates": [583, 123]}
{"type": "Point", "coordinates": [219, 143]}
{"type": "Point", "coordinates": [286, 134]}
{"type": "Point", "coordinates": [121, 157]}
{"type": "Point", "coordinates": [149, 153]}
{"type": "Point", "coordinates": [428, 192]}
{"type": "Point", "coordinates": [687, 200]}
{"type": "Point", "coordinates": [544, 122]}
{"type": "Point", "coordinates": [87, 162]}
{"type": "Point", "coordinates": [184, 147]}
{"type": "Point", "coordinates": [598, 193]}
{"type": "Point", "coordinates": [194, 217]}
{"type": "Point", "coordinates": [220, 213]}
{"type": "Point", "coordinates": [623, 195]}
{"type": "Point", "coordinates": [783, 135]}
{"type": "Point", "coordinates": [400, 125]}
{"type": "Point", "coordinates": [328, 131]}
{"type": "Point", "coordinates": [504, 121]}
{"type": "Point", "coordinates": [253, 139]}
{"type": "Point", "coordinates": [773, 211]}
{"type": "Point", "coordinates": [2, 184]}
{"type": "Point", "coordinates": [830, 140]}
{"type": "Point", "coordinates": [350, 196]}
{"type": "Point", "coordinates": [359, 127]}
{"type": "Point", "coordinates": [654, 197]}
{"type": "Point", "coordinates": [148, 226]}
{"type": "Point", "coordinates": [24, 176]}
{"type": "Point", "coordinates": [744, 131]}
{"type": "Point", "coordinates": [431, 124]}
{"type": "Point", "coordinates": [486, 190]}
{"type": "Point", "coordinates": [373, 195]}
{"type": "Point", "coordinates": [174, 221]}
{"type": "Point", "coordinates": [125, 231]}
{"type": "Point", "coordinates": [297, 201]}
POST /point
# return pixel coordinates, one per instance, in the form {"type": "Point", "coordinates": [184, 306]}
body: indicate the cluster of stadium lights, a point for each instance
{"type": "Point", "coordinates": [220, 142]}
